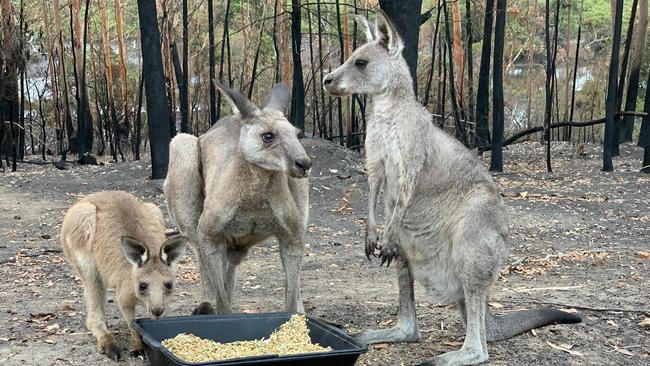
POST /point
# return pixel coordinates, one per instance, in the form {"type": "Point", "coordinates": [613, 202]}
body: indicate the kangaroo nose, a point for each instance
{"type": "Point", "coordinates": [157, 312]}
{"type": "Point", "coordinates": [328, 80]}
{"type": "Point", "coordinates": [303, 164]}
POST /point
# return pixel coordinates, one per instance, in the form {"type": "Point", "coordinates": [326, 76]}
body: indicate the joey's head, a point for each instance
{"type": "Point", "coordinates": [153, 273]}
{"type": "Point", "coordinates": [375, 67]}
{"type": "Point", "coordinates": [267, 139]}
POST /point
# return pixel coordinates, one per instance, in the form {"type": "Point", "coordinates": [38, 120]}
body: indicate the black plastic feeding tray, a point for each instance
{"type": "Point", "coordinates": [246, 327]}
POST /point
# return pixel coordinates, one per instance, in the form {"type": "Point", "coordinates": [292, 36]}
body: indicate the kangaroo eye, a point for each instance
{"type": "Point", "coordinates": [169, 286]}
{"type": "Point", "coordinates": [267, 137]}
{"type": "Point", "coordinates": [143, 286]}
{"type": "Point", "coordinates": [360, 63]}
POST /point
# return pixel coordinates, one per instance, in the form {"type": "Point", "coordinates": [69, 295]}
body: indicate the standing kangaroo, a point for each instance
{"type": "Point", "coordinates": [444, 213]}
{"type": "Point", "coordinates": [238, 184]}
{"type": "Point", "coordinates": [112, 240]}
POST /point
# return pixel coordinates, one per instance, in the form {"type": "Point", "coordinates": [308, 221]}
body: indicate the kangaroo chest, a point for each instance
{"type": "Point", "coordinates": [257, 218]}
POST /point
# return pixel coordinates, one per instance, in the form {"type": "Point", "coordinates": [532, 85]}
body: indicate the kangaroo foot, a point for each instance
{"type": "Point", "coordinates": [137, 353]}
{"type": "Point", "coordinates": [203, 308]}
{"type": "Point", "coordinates": [108, 346]}
{"type": "Point", "coordinates": [390, 335]}
{"type": "Point", "coordinates": [457, 358]}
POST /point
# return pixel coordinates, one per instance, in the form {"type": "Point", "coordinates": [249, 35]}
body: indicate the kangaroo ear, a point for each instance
{"type": "Point", "coordinates": [388, 35]}
{"type": "Point", "coordinates": [239, 103]}
{"type": "Point", "coordinates": [136, 252]}
{"type": "Point", "coordinates": [369, 28]}
{"type": "Point", "coordinates": [173, 249]}
{"type": "Point", "coordinates": [278, 98]}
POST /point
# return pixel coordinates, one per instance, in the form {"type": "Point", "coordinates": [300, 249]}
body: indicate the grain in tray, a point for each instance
{"type": "Point", "coordinates": [290, 338]}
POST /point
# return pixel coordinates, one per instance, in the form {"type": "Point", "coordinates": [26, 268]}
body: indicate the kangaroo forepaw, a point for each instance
{"type": "Point", "coordinates": [388, 253]}
{"type": "Point", "coordinates": [112, 351]}
{"type": "Point", "coordinates": [203, 308]}
{"type": "Point", "coordinates": [371, 242]}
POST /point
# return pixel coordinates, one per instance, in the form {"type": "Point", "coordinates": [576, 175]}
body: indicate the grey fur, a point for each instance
{"type": "Point", "coordinates": [445, 224]}
{"type": "Point", "coordinates": [229, 190]}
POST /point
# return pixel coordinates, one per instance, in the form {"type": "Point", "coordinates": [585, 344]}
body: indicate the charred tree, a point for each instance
{"type": "Point", "coordinates": [610, 106]}
{"type": "Point", "coordinates": [646, 135]}
{"type": "Point", "coordinates": [224, 37]}
{"type": "Point", "coordinates": [211, 61]}
{"type": "Point", "coordinates": [496, 160]}
{"type": "Point", "coordinates": [405, 15]}
{"type": "Point", "coordinates": [483, 90]}
{"type": "Point", "coordinates": [298, 89]}
{"type": "Point", "coordinates": [461, 134]}
{"type": "Point", "coordinates": [636, 61]}
{"type": "Point", "coordinates": [184, 96]}
{"type": "Point", "coordinates": [621, 80]}
{"type": "Point", "coordinates": [154, 79]}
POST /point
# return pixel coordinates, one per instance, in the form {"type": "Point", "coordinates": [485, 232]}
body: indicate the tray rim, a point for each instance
{"type": "Point", "coordinates": [155, 344]}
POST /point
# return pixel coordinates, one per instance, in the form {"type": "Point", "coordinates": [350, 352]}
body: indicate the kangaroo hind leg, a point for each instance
{"type": "Point", "coordinates": [406, 329]}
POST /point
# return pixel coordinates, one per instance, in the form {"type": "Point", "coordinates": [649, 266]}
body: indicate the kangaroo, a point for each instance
{"type": "Point", "coordinates": [112, 240]}
{"type": "Point", "coordinates": [444, 213]}
{"type": "Point", "coordinates": [241, 182]}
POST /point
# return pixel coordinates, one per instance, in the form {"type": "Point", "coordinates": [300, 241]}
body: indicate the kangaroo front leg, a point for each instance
{"type": "Point", "coordinates": [230, 263]}
{"type": "Point", "coordinates": [211, 268]}
{"type": "Point", "coordinates": [406, 329]}
{"type": "Point", "coordinates": [127, 307]}
{"type": "Point", "coordinates": [375, 182]}
{"type": "Point", "coordinates": [291, 252]}
{"type": "Point", "coordinates": [95, 298]}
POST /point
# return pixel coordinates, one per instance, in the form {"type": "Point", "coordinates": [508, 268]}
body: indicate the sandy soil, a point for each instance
{"type": "Point", "coordinates": [577, 240]}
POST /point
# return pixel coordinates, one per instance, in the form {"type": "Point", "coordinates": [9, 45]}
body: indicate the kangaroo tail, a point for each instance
{"type": "Point", "coordinates": [500, 327]}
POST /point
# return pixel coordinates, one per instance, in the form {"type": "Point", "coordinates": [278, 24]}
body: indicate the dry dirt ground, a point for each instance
{"type": "Point", "coordinates": [578, 239]}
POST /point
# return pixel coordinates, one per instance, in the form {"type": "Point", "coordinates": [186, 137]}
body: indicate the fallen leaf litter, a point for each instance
{"type": "Point", "coordinates": [290, 338]}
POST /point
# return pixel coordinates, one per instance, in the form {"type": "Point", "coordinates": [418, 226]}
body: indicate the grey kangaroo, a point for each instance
{"type": "Point", "coordinates": [238, 184]}
{"type": "Point", "coordinates": [444, 213]}
{"type": "Point", "coordinates": [112, 240]}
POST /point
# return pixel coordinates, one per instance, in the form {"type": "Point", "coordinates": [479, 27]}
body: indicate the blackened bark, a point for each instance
{"type": "Point", "coordinates": [483, 91]}
{"type": "Point", "coordinates": [182, 88]}
{"type": "Point", "coordinates": [461, 134]}
{"type": "Point", "coordinates": [496, 160]}
{"type": "Point", "coordinates": [154, 78]}
{"type": "Point", "coordinates": [610, 104]}
{"type": "Point", "coordinates": [621, 80]}
{"type": "Point", "coordinates": [646, 135]}
{"type": "Point", "coordinates": [138, 121]}
{"type": "Point", "coordinates": [470, 62]}
{"type": "Point", "coordinates": [298, 90]}
{"type": "Point", "coordinates": [405, 15]}
{"type": "Point", "coordinates": [211, 61]}
{"type": "Point", "coordinates": [184, 96]}
{"type": "Point", "coordinates": [575, 63]}
{"type": "Point", "coordinates": [427, 90]}
{"type": "Point", "coordinates": [222, 59]}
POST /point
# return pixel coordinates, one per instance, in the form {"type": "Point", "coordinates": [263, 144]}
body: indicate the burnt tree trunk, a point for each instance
{"type": "Point", "coordinates": [646, 136]}
{"type": "Point", "coordinates": [298, 89]}
{"type": "Point", "coordinates": [154, 79]}
{"type": "Point", "coordinates": [483, 90]}
{"type": "Point", "coordinates": [405, 15]}
{"type": "Point", "coordinates": [610, 104]}
{"type": "Point", "coordinates": [185, 118]}
{"type": "Point", "coordinates": [621, 79]}
{"type": "Point", "coordinates": [627, 127]}
{"type": "Point", "coordinates": [224, 36]}
{"type": "Point", "coordinates": [496, 160]}
{"type": "Point", "coordinates": [211, 61]}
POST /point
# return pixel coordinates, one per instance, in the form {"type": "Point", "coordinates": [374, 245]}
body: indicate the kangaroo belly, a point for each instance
{"type": "Point", "coordinates": [438, 279]}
